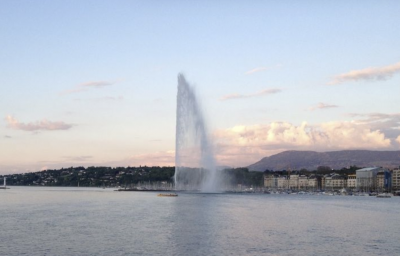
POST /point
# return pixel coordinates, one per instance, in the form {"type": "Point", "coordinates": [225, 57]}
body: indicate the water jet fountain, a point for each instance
{"type": "Point", "coordinates": [195, 167]}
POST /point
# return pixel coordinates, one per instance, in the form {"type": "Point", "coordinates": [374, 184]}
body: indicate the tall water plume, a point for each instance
{"type": "Point", "coordinates": [194, 159]}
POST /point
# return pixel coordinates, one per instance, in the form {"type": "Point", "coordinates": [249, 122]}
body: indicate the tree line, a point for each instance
{"type": "Point", "coordinates": [97, 176]}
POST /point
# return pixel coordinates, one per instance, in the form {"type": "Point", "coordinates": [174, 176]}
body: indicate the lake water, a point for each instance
{"type": "Point", "coordinates": [83, 221]}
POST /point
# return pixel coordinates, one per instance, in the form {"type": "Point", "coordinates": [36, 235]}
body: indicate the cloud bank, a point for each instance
{"type": "Point", "coordinates": [43, 125]}
{"type": "Point", "coordinates": [243, 145]}
{"type": "Point", "coordinates": [367, 74]}
{"type": "Point", "coordinates": [243, 96]}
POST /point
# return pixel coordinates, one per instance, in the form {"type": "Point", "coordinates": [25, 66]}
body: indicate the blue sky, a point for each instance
{"type": "Point", "coordinates": [95, 82]}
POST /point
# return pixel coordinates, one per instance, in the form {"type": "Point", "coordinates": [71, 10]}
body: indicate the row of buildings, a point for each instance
{"type": "Point", "coordinates": [366, 179]}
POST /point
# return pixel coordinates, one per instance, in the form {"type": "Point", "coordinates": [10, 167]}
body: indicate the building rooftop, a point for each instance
{"type": "Point", "coordinates": [368, 169]}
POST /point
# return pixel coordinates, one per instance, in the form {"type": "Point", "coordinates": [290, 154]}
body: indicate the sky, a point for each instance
{"type": "Point", "coordinates": [94, 83]}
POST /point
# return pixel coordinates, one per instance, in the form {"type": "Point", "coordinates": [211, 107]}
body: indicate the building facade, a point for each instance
{"type": "Point", "coordinates": [335, 181]}
{"type": "Point", "coordinates": [275, 182]}
{"type": "Point", "coordinates": [303, 182]}
{"type": "Point", "coordinates": [396, 180]}
{"type": "Point", "coordinates": [367, 178]}
{"type": "Point", "coordinates": [383, 180]}
{"type": "Point", "coordinates": [282, 182]}
{"type": "Point", "coordinates": [294, 181]}
{"type": "Point", "coordinates": [351, 181]}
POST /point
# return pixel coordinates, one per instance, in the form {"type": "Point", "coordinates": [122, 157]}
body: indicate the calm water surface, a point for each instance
{"type": "Point", "coordinates": [79, 221]}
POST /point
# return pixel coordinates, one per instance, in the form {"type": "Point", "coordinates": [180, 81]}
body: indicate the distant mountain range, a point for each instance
{"type": "Point", "coordinates": [310, 160]}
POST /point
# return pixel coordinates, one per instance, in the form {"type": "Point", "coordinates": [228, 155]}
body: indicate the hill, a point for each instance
{"type": "Point", "coordinates": [310, 160]}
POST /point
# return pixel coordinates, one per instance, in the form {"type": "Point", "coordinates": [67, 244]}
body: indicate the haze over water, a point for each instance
{"type": "Point", "coordinates": [72, 221]}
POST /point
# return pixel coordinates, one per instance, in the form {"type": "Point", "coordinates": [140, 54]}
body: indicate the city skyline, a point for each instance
{"type": "Point", "coordinates": [95, 83]}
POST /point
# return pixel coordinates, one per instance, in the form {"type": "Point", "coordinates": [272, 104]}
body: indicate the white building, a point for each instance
{"type": "Point", "coordinates": [269, 181]}
{"type": "Point", "coordinates": [335, 181]}
{"type": "Point", "coordinates": [312, 182]}
{"type": "Point", "coordinates": [396, 179]}
{"type": "Point", "coordinates": [282, 182]}
{"type": "Point", "coordinates": [275, 181]}
{"type": "Point", "coordinates": [351, 181]}
{"type": "Point", "coordinates": [303, 182]}
{"type": "Point", "coordinates": [294, 181]}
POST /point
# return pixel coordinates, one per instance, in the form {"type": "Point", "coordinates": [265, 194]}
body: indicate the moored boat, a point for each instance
{"type": "Point", "coordinates": [384, 195]}
{"type": "Point", "coordinates": [168, 195]}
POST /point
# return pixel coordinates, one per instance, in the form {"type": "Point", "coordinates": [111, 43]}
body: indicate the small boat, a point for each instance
{"type": "Point", "coordinates": [384, 195]}
{"type": "Point", "coordinates": [168, 195]}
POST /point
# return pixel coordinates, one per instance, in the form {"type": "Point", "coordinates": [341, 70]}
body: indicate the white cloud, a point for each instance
{"type": "Point", "coordinates": [85, 86]}
{"type": "Point", "coordinates": [243, 145]}
{"type": "Point", "coordinates": [387, 123]}
{"type": "Point", "coordinates": [369, 74]}
{"type": "Point", "coordinates": [398, 139]}
{"type": "Point", "coordinates": [323, 106]}
{"type": "Point", "coordinates": [243, 96]}
{"type": "Point", "coordinates": [36, 126]}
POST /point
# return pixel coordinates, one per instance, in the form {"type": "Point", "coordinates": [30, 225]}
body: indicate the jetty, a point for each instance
{"type": "Point", "coordinates": [144, 190]}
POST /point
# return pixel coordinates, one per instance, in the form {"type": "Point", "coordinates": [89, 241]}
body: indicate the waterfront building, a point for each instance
{"type": "Point", "coordinates": [335, 181]}
{"type": "Point", "coordinates": [312, 182]}
{"type": "Point", "coordinates": [294, 181]}
{"type": "Point", "coordinates": [275, 182]}
{"type": "Point", "coordinates": [351, 181]}
{"type": "Point", "coordinates": [303, 182]}
{"type": "Point", "coordinates": [323, 181]}
{"type": "Point", "coordinates": [380, 179]}
{"type": "Point", "coordinates": [367, 178]}
{"type": "Point", "coordinates": [327, 182]}
{"type": "Point", "coordinates": [396, 179]}
{"type": "Point", "coordinates": [339, 181]}
{"type": "Point", "coordinates": [383, 180]}
{"type": "Point", "coordinates": [268, 180]}
{"type": "Point", "coordinates": [282, 182]}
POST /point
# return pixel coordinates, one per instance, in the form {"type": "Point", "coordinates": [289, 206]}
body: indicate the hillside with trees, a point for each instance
{"type": "Point", "coordinates": [121, 177]}
{"type": "Point", "coordinates": [311, 160]}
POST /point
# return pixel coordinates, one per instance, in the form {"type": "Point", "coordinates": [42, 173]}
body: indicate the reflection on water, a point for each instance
{"type": "Point", "coordinates": [63, 221]}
